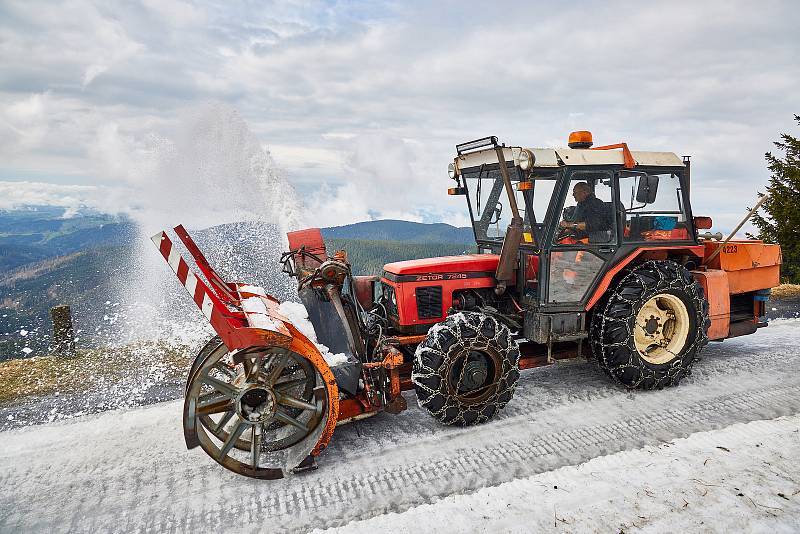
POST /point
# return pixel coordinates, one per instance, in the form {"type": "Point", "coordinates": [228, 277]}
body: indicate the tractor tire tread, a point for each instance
{"type": "Point", "coordinates": [612, 325]}
{"type": "Point", "coordinates": [460, 332]}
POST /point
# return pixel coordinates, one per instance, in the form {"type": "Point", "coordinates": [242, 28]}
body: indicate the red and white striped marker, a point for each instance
{"type": "Point", "coordinates": [194, 286]}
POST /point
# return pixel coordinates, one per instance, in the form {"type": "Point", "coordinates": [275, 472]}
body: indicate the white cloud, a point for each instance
{"type": "Point", "coordinates": [14, 195]}
{"type": "Point", "coordinates": [300, 156]}
{"type": "Point", "coordinates": [386, 178]}
{"type": "Point", "coordinates": [368, 101]}
{"type": "Point", "coordinates": [179, 14]}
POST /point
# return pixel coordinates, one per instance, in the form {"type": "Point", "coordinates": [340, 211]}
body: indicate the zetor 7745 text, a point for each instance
{"type": "Point", "coordinates": [580, 252]}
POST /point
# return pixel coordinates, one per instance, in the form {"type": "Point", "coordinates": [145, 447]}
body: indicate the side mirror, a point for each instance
{"type": "Point", "coordinates": [648, 186]}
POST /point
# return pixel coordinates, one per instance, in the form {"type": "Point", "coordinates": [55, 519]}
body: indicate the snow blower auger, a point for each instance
{"type": "Point", "coordinates": [580, 251]}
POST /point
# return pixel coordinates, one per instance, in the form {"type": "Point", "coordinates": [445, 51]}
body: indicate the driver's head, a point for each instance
{"type": "Point", "coordinates": [581, 191]}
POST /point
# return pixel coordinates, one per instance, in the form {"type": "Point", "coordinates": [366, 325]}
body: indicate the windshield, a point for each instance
{"type": "Point", "coordinates": [490, 209]}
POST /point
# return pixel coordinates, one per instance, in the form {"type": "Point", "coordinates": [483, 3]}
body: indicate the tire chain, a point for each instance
{"type": "Point", "coordinates": [616, 314]}
{"type": "Point", "coordinates": [458, 333]}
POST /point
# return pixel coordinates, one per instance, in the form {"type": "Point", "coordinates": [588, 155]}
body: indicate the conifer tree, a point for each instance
{"type": "Point", "coordinates": [781, 223]}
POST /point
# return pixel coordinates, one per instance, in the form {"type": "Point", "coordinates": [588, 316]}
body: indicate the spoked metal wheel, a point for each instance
{"type": "Point", "coordinates": [257, 412]}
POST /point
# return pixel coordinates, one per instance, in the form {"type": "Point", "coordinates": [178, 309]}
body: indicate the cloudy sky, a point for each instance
{"type": "Point", "coordinates": [361, 103]}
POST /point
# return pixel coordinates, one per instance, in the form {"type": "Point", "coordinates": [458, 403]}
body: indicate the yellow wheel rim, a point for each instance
{"type": "Point", "coordinates": [662, 327]}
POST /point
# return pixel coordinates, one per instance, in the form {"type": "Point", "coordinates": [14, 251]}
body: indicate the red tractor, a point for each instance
{"type": "Point", "coordinates": [580, 252]}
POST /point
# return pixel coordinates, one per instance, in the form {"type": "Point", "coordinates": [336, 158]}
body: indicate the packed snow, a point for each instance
{"type": "Point", "coordinates": [743, 478]}
{"type": "Point", "coordinates": [571, 452]}
{"type": "Point", "coordinates": [255, 290]}
{"type": "Point", "coordinates": [256, 312]}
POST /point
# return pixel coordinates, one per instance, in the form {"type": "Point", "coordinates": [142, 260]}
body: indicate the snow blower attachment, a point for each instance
{"type": "Point", "coordinates": [260, 398]}
{"type": "Point", "coordinates": [622, 275]}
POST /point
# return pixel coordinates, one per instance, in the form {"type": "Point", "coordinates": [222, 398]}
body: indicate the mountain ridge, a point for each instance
{"type": "Point", "coordinates": [401, 231]}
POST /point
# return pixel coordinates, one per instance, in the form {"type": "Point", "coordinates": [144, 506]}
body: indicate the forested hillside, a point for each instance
{"type": "Point", "coordinates": [369, 256]}
{"type": "Point", "coordinates": [37, 233]}
{"type": "Point", "coordinates": [81, 279]}
{"type": "Point", "coordinates": [406, 231]}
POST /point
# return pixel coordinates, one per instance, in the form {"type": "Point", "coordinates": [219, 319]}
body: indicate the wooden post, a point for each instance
{"type": "Point", "coordinates": [63, 335]}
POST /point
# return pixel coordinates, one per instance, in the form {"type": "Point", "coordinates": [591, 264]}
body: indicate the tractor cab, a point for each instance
{"type": "Point", "coordinates": [581, 209]}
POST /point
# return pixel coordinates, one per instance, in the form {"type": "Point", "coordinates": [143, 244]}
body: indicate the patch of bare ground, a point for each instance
{"type": "Point", "coordinates": [44, 375]}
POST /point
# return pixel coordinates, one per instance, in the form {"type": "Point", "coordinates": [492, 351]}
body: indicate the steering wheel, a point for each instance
{"type": "Point", "coordinates": [566, 233]}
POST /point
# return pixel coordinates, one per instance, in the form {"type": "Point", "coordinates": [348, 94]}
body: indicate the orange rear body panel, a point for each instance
{"type": "Point", "coordinates": [742, 266]}
{"type": "Point", "coordinates": [751, 265]}
{"type": "Point", "coordinates": [715, 286]}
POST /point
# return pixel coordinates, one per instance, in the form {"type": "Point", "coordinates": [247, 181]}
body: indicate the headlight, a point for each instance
{"type": "Point", "coordinates": [451, 171]}
{"type": "Point", "coordinates": [526, 159]}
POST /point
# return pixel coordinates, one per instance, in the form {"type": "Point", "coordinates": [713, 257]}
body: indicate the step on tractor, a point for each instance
{"type": "Point", "coordinates": [584, 252]}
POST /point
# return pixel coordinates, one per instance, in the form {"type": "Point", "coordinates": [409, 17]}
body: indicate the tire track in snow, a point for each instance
{"type": "Point", "coordinates": [679, 492]}
{"type": "Point", "coordinates": [133, 474]}
{"type": "Point", "coordinates": [471, 468]}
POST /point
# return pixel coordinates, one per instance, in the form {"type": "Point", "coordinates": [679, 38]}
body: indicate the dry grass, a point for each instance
{"type": "Point", "coordinates": [44, 375]}
{"type": "Point", "coordinates": [785, 291]}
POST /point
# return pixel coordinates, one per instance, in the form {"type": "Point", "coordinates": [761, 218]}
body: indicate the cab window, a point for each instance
{"type": "Point", "coordinates": [488, 202]}
{"type": "Point", "coordinates": [653, 207]}
{"type": "Point", "coordinates": [588, 215]}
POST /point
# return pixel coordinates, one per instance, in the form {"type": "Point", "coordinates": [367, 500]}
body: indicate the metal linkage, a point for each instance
{"type": "Point", "coordinates": [714, 254]}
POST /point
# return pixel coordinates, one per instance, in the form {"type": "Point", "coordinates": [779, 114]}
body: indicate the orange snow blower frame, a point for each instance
{"type": "Point", "coordinates": [624, 277]}
{"type": "Point", "coordinates": [251, 328]}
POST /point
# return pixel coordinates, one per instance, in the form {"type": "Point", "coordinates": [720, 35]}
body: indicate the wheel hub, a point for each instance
{"type": "Point", "coordinates": [651, 326]}
{"type": "Point", "coordinates": [662, 328]}
{"type": "Point", "coordinates": [475, 373]}
{"type": "Point", "coordinates": [256, 403]}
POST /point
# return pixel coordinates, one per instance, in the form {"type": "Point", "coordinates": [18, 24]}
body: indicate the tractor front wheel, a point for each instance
{"type": "Point", "coordinates": [651, 327]}
{"type": "Point", "coordinates": [466, 369]}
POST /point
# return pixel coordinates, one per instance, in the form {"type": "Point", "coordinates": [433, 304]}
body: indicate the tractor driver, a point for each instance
{"type": "Point", "coordinates": [592, 217]}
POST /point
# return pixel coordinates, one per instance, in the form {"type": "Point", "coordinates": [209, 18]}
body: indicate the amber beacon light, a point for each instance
{"type": "Point", "coordinates": [580, 139]}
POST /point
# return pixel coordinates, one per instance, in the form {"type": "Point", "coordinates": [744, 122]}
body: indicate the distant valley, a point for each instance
{"type": "Point", "coordinates": [47, 260]}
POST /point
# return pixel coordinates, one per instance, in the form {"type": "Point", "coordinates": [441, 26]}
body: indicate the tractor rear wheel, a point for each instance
{"type": "Point", "coordinates": [651, 327]}
{"type": "Point", "coordinates": [466, 369]}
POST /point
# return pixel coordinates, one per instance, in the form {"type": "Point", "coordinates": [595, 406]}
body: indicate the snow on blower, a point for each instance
{"type": "Point", "coordinates": [580, 252]}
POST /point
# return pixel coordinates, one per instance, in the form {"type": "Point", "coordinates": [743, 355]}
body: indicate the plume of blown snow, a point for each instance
{"type": "Point", "coordinates": [212, 174]}
{"type": "Point", "coordinates": [213, 170]}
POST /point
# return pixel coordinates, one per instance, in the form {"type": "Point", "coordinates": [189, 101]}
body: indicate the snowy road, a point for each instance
{"type": "Point", "coordinates": [129, 471]}
{"type": "Point", "coordinates": [738, 479]}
